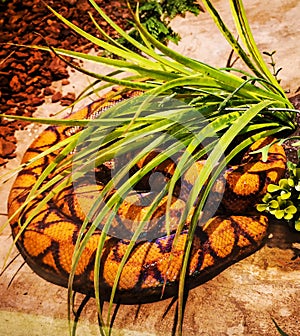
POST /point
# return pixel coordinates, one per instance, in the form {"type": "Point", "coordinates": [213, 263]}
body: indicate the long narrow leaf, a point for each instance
{"type": "Point", "coordinates": [148, 51]}
{"type": "Point", "coordinates": [229, 36]}
{"type": "Point", "coordinates": [245, 33]}
{"type": "Point", "coordinates": [212, 160]}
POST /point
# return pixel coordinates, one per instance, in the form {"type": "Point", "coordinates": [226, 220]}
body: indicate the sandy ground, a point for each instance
{"type": "Point", "coordinates": [244, 298]}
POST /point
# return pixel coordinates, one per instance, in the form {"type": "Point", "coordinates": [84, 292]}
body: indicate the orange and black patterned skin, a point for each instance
{"type": "Point", "coordinates": [47, 243]}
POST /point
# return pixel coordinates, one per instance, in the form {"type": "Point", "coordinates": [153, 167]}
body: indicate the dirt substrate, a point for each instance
{"type": "Point", "coordinates": [27, 74]}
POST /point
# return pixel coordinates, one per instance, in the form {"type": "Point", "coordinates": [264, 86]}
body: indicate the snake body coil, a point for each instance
{"type": "Point", "coordinates": [48, 241]}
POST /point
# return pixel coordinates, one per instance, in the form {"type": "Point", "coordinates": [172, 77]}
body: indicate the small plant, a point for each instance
{"type": "Point", "coordinates": [156, 16]}
{"type": "Point", "coordinates": [273, 64]}
{"type": "Point", "coordinates": [283, 199]}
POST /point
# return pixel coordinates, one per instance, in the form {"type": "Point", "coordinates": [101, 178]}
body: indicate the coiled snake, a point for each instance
{"type": "Point", "coordinates": [47, 243]}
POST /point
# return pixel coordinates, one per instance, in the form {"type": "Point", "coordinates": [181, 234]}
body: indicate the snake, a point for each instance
{"type": "Point", "coordinates": [153, 267]}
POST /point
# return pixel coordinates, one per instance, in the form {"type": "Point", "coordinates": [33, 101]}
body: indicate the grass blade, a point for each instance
{"type": "Point", "coordinates": [245, 33]}
{"type": "Point", "coordinates": [211, 161]}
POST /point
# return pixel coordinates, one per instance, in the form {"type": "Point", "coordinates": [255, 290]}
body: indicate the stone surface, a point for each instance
{"type": "Point", "coordinates": [244, 298]}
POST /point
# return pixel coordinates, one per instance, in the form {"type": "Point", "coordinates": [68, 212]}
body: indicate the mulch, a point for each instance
{"type": "Point", "coordinates": [26, 74]}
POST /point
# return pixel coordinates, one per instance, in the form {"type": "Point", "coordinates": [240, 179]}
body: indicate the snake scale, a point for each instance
{"type": "Point", "coordinates": [47, 243]}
